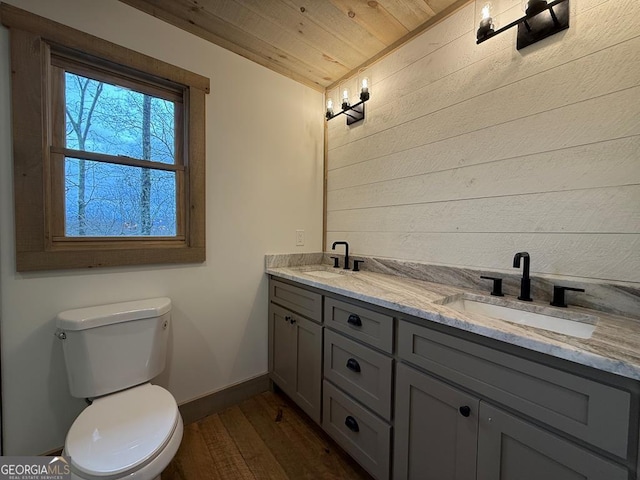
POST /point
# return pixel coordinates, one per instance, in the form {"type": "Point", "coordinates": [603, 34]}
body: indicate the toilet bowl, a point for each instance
{"type": "Point", "coordinates": [132, 429]}
{"type": "Point", "coordinates": [132, 434]}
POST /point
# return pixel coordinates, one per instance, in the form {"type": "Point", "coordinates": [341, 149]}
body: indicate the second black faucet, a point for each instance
{"type": "Point", "coordinates": [525, 283]}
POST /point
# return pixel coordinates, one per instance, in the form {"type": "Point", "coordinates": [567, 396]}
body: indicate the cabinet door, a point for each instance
{"type": "Point", "coordinates": [295, 358]}
{"type": "Point", "coordinates": [307, 348]}
{"type": "Point", "coordinates": [282, 361]}
{"type": "Point", "coordinates": [436, 429]}
{"type": "Point", "coordinates": [512, 449]}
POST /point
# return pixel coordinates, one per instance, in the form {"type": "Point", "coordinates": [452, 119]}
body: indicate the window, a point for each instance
{"type": "Point", "coordinates": [118, 156]}
{"type": "Point", "coordinates": [108, 151]}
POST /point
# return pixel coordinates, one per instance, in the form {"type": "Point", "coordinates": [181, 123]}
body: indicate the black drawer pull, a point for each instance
{"type": "Point", "coordinates": [353, 365]}
{"type": "Point", "coordinates": [351, 424]}
{"type": "Point", "coordinates": [287, 319]}
{"type": "Point", "coordinates": [465, 411]}
{"type": "Point", "coordinates": [293, 320]}
{"type": "Point", "coordinates": [354, 320]}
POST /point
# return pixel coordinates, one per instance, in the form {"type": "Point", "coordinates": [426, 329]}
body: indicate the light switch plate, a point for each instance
{"type": "Point", "coordinates": [299, 238]}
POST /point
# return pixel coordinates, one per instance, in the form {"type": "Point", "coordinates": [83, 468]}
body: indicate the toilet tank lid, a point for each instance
{"type": "Point", "coordinates": [92, 317]}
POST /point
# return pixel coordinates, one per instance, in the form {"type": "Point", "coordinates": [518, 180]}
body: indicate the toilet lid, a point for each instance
{"type": "Point", "coordinates": [120, 431]}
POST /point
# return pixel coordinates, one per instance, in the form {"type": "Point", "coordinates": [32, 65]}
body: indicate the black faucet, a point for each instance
{"type": "Point", "coordinates": [346, 253]}
{"type": "Point", "coordinates": [525, 283]}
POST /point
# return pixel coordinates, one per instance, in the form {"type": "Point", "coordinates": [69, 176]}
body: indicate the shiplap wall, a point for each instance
{"type": "Point", "coordinates": [470, 153]}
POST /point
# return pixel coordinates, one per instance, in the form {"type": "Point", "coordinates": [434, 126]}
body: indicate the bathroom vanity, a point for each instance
{"type": "Point", "coordinates": [415, 389]}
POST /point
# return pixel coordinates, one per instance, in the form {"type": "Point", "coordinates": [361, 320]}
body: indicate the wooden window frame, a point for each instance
{"type": "Point", "coordinates": [38, 242]}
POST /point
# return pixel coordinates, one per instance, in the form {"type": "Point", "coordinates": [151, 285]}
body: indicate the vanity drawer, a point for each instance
{"type": "Point", "coordinates": [360, 371]}
{"type": "Point", "coordinates": [588, 410]}
{"type": "Point", "coordinates": [370, 327]}
{"type": "Point", "coordinates": [363, 435]}
{"type": "Point", "coordinates": [296, 299]}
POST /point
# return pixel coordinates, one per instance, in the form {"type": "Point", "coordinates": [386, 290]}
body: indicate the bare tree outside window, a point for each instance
{"type": "Point", "coordinates": [106, 199]}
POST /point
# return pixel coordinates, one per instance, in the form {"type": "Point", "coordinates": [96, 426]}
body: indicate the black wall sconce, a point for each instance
{"type": "Point", "coordinates": [355, 112]}
{"type": "Point", "coordinates": [541, 20]}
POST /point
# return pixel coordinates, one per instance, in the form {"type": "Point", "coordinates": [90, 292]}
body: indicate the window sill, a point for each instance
{"type": "Point", "coordinates": [73, 258]}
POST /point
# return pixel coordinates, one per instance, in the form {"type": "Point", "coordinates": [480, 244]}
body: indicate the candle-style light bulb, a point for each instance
{"type": "Point", "coordinates": [329, 108]}
{"type": "Point", "coordinates": [486, 22]}
{"type": "Point", "coordinates": [486, 11]}
{"type": "Point", "coordinates": [364, 92]}
{"type": "Point", "coordinates": [345, 98]}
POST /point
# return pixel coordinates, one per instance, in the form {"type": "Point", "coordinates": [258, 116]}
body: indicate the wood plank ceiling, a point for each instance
{"type": "Point", "coordinates": [316, 42]}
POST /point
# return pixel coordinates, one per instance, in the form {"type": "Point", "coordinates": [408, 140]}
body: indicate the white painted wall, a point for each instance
{"type": "Point", "coordinates": [470, 153]}
{"type": "Point", "coordinates": [264, 181]}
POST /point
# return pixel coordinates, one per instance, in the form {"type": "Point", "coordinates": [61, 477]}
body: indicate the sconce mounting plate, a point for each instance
{"type": "Point", "coordinates": [543, 24]}
{"type": "Point", "coordinates": [355, 114]}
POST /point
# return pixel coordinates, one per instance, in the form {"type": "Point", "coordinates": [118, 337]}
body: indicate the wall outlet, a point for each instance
{"type": "Point", "coordinates": [299, 238]}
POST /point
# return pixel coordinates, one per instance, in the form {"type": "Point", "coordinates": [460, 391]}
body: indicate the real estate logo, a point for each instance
{"type": "Point", "coordinates": [35, 468]}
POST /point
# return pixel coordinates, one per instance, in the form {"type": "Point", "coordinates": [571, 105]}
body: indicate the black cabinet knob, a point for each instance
{"type": "Point", "coordinates": [353, 365]}
{"type": "Point", "coordinates": [351, 424]}
{"type": "Point", "coordinates": [287, 319]}
{"type": "Point", "coordinates": [354, 320]}
{"type": "Point", "coordinates": [465, 411]}
{"type": "Point", "coordinates": [293, 320]}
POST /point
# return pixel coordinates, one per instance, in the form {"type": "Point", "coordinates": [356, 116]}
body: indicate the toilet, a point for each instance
{"type": "Point", "coordinates": [132, 428]}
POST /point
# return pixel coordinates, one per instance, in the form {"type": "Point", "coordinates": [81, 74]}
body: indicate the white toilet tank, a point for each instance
{"type": "Point", "coordinates": [112, 347]}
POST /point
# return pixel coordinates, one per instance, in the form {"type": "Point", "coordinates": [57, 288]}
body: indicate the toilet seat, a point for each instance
{"type": "Point", "coordinates": [122, 431]}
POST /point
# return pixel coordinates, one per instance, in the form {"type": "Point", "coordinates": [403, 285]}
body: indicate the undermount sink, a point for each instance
{"type": "Point", "coordinates": [567, 323]}
{"type": "Point", "coordinates": [323, 274]}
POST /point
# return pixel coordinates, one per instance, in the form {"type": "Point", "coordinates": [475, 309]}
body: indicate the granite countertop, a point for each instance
{"type": "Point", "coordinates": [613, 347]}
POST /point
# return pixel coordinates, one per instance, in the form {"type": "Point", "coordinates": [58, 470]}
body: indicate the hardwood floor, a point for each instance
{"type": "Point", "coordinates": [264, 437]}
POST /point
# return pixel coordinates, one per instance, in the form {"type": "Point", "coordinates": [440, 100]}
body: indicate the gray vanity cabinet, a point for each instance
{"type": "Point", "coordinates": [458, 408]}
{"type": "Point", "coordinates": [436, 429]}
{"type": "Point", "coordinates": [511, 449]}
{"type": "Point", "coordinates": [295, 354]}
